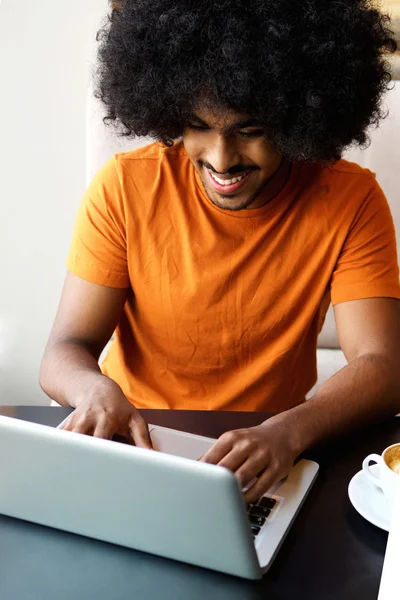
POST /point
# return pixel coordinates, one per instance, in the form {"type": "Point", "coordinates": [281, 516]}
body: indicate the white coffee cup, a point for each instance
{"type": "Point", "coordinates": [389, 472]}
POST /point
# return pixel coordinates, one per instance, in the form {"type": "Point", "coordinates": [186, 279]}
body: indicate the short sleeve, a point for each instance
{"type": "Point", "coordinates": [367, 266]}
{"type": "Point", "coordinates": [98, 249]}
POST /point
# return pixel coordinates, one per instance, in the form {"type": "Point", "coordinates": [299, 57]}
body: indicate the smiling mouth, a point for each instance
{"type": "Point", "coordinates": [227, 186]}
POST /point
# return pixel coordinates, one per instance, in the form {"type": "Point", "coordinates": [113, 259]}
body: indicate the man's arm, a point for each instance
{"type": "Point", "coordinates": [87, 316]}
{"type": "Point", "coordinates": [364, 391]}
{"type": "Point", "coordinates": [368, 388]}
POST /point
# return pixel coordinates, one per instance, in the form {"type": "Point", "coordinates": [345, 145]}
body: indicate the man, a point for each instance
{"type": "Point", "coordinates": [214, 257]}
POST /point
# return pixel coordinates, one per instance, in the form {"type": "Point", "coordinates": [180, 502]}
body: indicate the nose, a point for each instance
{"type": "Point", "coordinates": [222, 154]}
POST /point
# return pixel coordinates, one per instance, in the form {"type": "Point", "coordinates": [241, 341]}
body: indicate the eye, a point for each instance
{"type": "Point", "coordinates": [251, 134]}
{"type": "Point", "coordinates": [197, 127]}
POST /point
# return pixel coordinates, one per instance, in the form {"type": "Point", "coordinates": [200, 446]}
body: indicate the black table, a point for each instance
{"type": "Point", "coordinates": [330, 553]}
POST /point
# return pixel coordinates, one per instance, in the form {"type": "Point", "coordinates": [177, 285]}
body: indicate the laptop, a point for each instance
{"type": "Point", "coordinates": [389, 585]}
{"type": "Point", "coordinates": [164, 502]}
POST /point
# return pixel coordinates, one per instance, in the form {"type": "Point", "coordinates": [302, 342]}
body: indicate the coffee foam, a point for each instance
{"type": "Point", "coordinates": [395, 465]}
{"type": "Point", "coordinates": [392, 458]}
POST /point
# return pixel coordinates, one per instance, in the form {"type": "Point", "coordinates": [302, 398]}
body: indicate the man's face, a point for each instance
{"type": "Point", "coordinates": [232, 157]}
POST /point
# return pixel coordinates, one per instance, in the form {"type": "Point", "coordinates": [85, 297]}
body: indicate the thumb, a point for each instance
{"type": "Point", "coordinates": [139, 432]}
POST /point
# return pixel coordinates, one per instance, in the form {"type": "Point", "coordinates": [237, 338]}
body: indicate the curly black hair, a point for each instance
{"type": "Point", "coordinates": [312, 73]}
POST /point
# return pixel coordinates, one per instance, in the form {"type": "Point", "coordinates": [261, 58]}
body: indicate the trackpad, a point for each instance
{"type": "Point", "coordinates": [179, 443]}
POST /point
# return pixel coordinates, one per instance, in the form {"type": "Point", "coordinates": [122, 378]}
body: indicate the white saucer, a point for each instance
{"type": "Point", "coordinates": [368, 499]}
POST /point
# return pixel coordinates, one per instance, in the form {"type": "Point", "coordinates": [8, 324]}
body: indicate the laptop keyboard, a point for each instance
{"type": "Point", "coordinates": [258, 513]}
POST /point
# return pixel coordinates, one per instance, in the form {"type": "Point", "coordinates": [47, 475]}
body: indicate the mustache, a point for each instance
{"type": "Point", "coordinates": [232, 171]}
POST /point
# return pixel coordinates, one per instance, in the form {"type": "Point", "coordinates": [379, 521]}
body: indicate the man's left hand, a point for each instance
{"type": "Point", "coordinates": [263, 452]}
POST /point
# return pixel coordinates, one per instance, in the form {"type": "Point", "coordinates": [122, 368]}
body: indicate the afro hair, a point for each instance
{"type": "Point", "coordinates": [312, 73]}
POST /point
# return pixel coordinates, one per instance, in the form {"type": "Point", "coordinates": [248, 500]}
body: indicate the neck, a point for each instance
{"type": "Point", "coordinates": [275, 183]}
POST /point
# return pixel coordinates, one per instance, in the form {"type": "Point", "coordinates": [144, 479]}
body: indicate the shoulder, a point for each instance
{"type": "Point", "coordinates": [336, 197]}
{"type": "Point", "coordinates": [151, 176]}
{"type": "Point", "coordinates": [342, 184]}
{"type": "Point", "coordinates": [357, 186]}
{"type": "Point", "coordinates": [152, 155]}
{"type": "Point", "coordinates": [347, 168]}
{"type": "Point", "coordinates": [354, 174]}
{"type": "Point", "coordinates": [337, 173]}
{"type": "Point", "coordinates": [352, 181]}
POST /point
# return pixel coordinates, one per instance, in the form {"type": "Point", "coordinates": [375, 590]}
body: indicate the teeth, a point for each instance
{"type": "Point", "coordinates": [226, 181]}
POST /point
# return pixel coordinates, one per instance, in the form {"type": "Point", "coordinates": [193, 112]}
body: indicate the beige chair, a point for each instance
{"type": "Point", "coordinates": [382, 157]}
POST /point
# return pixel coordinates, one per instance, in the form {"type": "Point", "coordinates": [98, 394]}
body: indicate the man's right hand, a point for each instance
{"type": "Point", "coordinates": [105, 413]}
{"type": "Point", "coordinates": [87, 316]}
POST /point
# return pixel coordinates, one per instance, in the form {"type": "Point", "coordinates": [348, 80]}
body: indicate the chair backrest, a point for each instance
{"type": "Point", "coordinates": [381, 157]}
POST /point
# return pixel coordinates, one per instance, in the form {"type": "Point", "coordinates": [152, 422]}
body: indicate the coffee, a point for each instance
{"type": "Point", "coordinates": [395, 465]}
{"type": "Point", "coordinates": [388, 475]}
{"type": "Point", "coordinates": [392, 458]}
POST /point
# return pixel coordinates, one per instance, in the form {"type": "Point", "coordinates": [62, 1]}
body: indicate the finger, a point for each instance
{"type": "Point", "coordinates": [71, 422]}
{"type": "Point", "coordinates": [233, 460]}
{"type": "Point", "coordinates": [64, 422]}
{"type": "Point", "coordinates": [139, 432]}
{"type": "Point", "coordinates": [264, 483]}
{"type": "Point", "coordinates": [81, 425]}
{"type": "Point", "coordinates": [251, 469]}
{"type": "Point", "coordinates": [69, 425]}
{"type": "Point", "coordinates": [218, 451]}
{"type": "Point", "coordinates": [103, 430]}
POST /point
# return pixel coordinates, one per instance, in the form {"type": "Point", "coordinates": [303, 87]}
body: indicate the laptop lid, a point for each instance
{"type": "Point", "coordinates": [389, 586]}
{"type": "Point", "coordinates": [288, 494]}
{"type": "Point", "coordinates": [151, 501]}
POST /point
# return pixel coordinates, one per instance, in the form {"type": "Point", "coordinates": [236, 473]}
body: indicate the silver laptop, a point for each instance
{"type": "Point", "coordinates": [165, 502]}
{"type": "Point", "coordinates": [389, 586]}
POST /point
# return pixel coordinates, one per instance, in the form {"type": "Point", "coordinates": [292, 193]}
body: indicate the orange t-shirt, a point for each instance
{"type": "Point", "coordinates": [224, 307]}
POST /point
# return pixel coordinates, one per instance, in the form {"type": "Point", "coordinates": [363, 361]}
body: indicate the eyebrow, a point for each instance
{"type": "Point", "coordinates": [237, 125]}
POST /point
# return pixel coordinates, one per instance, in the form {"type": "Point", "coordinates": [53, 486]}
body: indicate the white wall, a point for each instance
{"type": "Point", "coordinates": [46, 50]}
